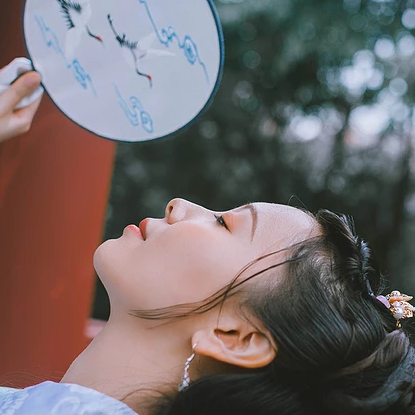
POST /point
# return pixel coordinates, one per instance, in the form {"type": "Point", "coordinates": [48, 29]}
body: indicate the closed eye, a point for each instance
{"type": "Point", "coordinates": [221, 221]}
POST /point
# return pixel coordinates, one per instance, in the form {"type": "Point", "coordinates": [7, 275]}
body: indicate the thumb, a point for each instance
{"type": "Point", "coordinates": [24, 85]}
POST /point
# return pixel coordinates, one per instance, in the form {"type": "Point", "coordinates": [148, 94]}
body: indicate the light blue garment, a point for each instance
{"type": "Point", "coordinates": [50, 398]}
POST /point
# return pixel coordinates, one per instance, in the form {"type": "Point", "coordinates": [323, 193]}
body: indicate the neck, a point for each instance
{"type": "Point", "coordinates": [130, 360]}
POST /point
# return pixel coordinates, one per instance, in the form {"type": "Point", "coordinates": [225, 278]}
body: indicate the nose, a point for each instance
{"type": "Point", "coordinates": [176, 210]}
{"type": "Point", "coordinates": [180, 209]}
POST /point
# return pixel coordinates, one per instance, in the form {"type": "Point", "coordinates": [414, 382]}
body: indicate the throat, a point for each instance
{"type": "Point", "coordinates": [129, 365]}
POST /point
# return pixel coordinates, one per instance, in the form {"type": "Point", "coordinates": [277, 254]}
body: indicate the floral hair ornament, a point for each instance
{"type": "Point", "coordinates": [398, 304]}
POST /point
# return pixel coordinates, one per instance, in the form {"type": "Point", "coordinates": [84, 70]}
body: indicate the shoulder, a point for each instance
{"type": "Point", "coordinates": [60, 399]}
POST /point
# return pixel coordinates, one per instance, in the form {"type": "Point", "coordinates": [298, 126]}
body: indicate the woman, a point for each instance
{"type": "Point", "coordinates": [264, 309]}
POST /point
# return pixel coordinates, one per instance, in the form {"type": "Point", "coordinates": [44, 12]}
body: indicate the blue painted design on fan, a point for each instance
{"type": "Point", "coordinates": [52, 41]}
{"type": "Point", "coordinates": [135, 112]}
{"type": "Point", "coordinates": [166, 36]}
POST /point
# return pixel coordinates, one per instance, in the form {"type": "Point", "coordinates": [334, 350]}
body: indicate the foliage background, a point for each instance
{"type": "Point", "coordinates": [315, 109]}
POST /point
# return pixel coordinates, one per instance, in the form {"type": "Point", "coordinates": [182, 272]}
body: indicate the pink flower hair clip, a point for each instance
{"type": "Point", "coordinates": [398, 304]}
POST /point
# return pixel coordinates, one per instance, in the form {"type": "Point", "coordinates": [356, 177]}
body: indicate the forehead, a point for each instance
{"type": "Point", "coordinates": [283, 225]}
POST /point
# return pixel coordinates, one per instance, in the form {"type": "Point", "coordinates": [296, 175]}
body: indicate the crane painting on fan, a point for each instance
{"type": "Point", "coordinates": [52, 41]}
{"type": "Point", "coordinates": [77, 15]}
{"type": "Point", "coordinates": [135, 52]}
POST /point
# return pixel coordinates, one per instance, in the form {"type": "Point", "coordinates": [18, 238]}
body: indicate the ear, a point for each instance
{"type": "Point", "coordinates": [236, 342]}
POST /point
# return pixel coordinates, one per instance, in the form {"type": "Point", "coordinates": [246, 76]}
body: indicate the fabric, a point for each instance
{"type": "Point", "coordinates": [50, 398]}
{"type": "Point", "coordinates": [11, 72]}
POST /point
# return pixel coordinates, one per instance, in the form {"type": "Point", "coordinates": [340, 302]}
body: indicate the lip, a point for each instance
{"type": "Point", "coordinates": [136, 230]}
{"type": "Point", "coordinates": [143, 226]}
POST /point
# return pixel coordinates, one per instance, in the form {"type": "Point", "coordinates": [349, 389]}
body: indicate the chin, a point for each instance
{"type": "Point", "coordinates": [102, 257]}
{"type": "Point", "coordinates": [105, 264]}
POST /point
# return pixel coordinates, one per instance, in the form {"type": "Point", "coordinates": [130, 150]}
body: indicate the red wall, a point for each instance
{"type": "Point", "coordinates": [54, 185]}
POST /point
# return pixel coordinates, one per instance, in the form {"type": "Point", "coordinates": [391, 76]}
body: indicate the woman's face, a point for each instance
{"type": "Point", "coordinates": [192, 252]}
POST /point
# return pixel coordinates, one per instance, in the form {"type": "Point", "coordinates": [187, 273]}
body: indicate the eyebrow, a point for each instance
{"type": "Point", "coordinates": [254, 214]}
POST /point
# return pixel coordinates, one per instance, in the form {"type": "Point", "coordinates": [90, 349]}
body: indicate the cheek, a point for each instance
{"type": "Point", "coordinates": [192, 268]}
{"type": "Point", "coordinates": [172, 268]}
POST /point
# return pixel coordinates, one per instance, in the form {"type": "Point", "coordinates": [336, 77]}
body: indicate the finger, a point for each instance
{"type": "Point", "coordinates": [22, 119]}
{"type": "Point", "coordinates": [26, 84]}
{"type": "Point", "coordinates": [29, 111]}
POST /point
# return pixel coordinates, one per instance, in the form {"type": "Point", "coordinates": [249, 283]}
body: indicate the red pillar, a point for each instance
{"type": "Point", "coordinates": [54, 185]}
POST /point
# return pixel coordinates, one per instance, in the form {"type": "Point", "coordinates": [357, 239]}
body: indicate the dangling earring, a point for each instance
{"type": "Point", "coordinates": [185, 382]}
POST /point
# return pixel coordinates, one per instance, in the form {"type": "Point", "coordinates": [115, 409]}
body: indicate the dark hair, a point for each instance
{"type": "Point", "coordinates": [339, 351]}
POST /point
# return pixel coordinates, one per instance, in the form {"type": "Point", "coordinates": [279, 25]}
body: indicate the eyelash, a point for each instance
{"type": "Point", "coordinates": [221, 221]}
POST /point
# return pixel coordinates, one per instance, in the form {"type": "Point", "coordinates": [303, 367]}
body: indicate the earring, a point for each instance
{"type": "Point", "coordinates": [185, 382]}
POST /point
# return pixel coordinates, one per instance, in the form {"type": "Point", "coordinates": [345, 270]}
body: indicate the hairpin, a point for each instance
{"type": "Point", "coordinates": [398, 305]}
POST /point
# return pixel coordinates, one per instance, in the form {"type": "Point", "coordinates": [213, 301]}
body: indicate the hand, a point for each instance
{"type": "Point", "coordinates": [15, 122]}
